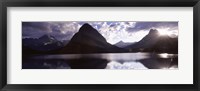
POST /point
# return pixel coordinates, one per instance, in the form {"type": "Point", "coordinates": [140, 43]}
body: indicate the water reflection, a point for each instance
{"type": "Point", "coordinates": [125, 65]}
{"type": "Point", "coordinates": [102, 61]}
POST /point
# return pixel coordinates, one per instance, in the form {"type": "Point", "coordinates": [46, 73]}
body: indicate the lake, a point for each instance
{"type": "Point", "coordinates": [102, 61]}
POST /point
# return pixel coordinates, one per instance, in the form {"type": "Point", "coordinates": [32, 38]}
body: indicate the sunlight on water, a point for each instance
{"type": "Point", "coordinates": [166, 55]}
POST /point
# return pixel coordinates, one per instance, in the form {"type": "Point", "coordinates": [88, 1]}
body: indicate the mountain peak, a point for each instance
{"type": "Point", "coordinates": [86, 33]}
{"type": "Point", "coordinates": [89, 40]}
{"type": "Point", "coordinates": [153, 31]}
{"type": "Point", "coordinates": [86, 26]}
{"type": "Point", "coordinates": [122, 44]}
{"type": "Point", "coordinates": [120, 41]}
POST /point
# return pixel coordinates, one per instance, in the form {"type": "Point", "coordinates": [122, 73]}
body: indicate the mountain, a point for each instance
{"type": "Point", "coordinates": [89, 40]}
{"type": "Point", "coordinates": [65, 42]}
{"type": "Point", "coordinates": [44, 43]}
{"type": "Point", "coordinates": [149, 40]}
{"type": "Point", "coordinates": [122, 44]}
{"type": "Point", "coordinates": [166, 44]}
{"type": "Point", "coordinates": [153, 42]}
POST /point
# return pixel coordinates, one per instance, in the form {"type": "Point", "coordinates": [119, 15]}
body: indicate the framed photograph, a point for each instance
{"type": "Point", "coordinates": [91, 45]}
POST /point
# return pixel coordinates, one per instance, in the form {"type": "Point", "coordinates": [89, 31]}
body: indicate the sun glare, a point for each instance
{"type": "Point", "coordinates": [164, 55]}
{"type": "Point", "coordinates": [164, 32]}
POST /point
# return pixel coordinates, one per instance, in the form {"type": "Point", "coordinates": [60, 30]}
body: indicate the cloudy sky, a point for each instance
{"type": "Point", "coordinates": [112, 31]}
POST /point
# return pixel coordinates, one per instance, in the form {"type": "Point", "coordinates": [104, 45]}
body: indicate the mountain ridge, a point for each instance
{"type": "Point", "coordinates": [89, 40]}
{"type": "Point", "coordinates": [153, 42]}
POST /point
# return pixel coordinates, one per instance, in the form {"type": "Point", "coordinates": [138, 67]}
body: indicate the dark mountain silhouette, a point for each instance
{"type": "Point", "coordinates": [149, 40]}
{"type": "Point", "coordinates": [122, 44]}
{"type": "Point", "coordinates": [89, 40]}
{"type": "Point", "coordinates": [153, 42]}
{"type": "Point", "coordinates": [44, 43]}
{"type": "Point", "coordinates": [166, 44]}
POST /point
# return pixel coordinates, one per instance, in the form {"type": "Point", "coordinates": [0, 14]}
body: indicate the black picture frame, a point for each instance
{"type": "Point", "coordinates": [100, 3]}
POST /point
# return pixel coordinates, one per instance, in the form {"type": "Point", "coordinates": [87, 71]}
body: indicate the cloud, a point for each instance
{"type": "Point", "coordinates": [112, 31]}
{"type": "Point", "coordinates": [60, 30]}
{"type": "Point", "coordinates": [149, 25]}
{"type": "Point", "coordinates": [38, 26]}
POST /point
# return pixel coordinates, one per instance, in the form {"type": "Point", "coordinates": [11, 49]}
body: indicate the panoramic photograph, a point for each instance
{"type": "Point", "coordinates": [100, 45]}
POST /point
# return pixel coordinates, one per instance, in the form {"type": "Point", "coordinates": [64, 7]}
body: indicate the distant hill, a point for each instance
{"type": "Point", "coordinates": [153, 42]}
{"type": "Point", "coordinates": [89, 40]}
{"type": "Point", "coordinates": [122, 44]}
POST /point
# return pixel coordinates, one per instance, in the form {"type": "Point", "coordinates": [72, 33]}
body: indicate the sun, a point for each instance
{"type": "Point", "coordinates": [164, 32]}
{"type": "Point", "coordinates": [167, 32]}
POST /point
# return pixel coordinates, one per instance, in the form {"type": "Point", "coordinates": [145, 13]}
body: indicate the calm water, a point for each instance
{"type": "Point", "coordinates": [102, 61]}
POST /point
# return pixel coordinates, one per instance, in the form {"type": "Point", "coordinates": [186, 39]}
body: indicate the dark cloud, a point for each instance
{"type": "Point", "coordinates": [60, 30]}
{"type": "Point", "coordinates": [149, 25]}
{"type": "Point", "coordinates": [42, 26]}
{"type": "Point", "coordinates": [32, 32]}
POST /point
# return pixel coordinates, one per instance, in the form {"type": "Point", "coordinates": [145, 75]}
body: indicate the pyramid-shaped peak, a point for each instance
{"type": "Point", "coordinates": [86, 26]}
